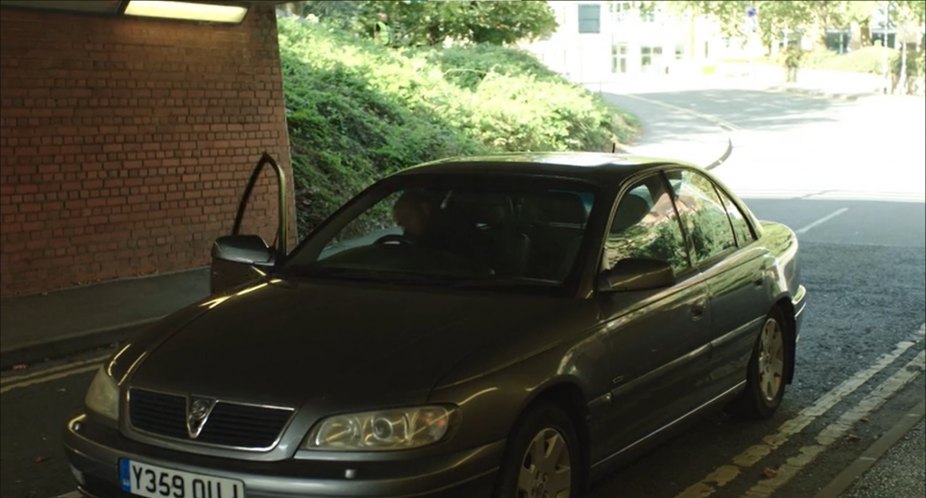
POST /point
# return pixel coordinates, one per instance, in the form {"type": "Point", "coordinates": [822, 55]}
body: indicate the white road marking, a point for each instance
{"type": "Point", "coordinates": [723, 475]}
{"type": "Point", "coordinates": [822, 220]}
{"type": "Point", "coordinates": [747, 193]}
{"type": "Point", "coordinates": [72, 494]}
{"type": "Point", "coordinates": [17, 378]}
{"type": "Point", "coordinates": [833, 432]}
{"type": "Point", "coordinates": [48, 378]}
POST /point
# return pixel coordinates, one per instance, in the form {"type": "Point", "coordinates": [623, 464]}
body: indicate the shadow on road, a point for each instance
{"type": "Point", "coordinates": [746, 109]}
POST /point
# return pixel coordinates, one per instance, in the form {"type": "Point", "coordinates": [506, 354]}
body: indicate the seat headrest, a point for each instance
{"type": "Point", "coordinates": [557, 207]}
{"type": "Point", "coordinates": [632, 209]}
{"type": "Point", "coordinates": [480, 208]}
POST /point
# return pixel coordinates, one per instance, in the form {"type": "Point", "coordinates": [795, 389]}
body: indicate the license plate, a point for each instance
{"type": "Point", "coordinates": [154, 481]}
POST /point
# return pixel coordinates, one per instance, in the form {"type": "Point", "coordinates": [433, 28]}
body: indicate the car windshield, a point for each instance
{"type": "Point", "coordinates": [461, 233]}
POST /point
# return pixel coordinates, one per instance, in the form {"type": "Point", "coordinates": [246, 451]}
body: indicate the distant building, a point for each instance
{"type": "Point", "coordinates": [610, 40]}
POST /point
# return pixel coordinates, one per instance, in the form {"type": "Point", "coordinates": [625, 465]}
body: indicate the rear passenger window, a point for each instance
{"type": "Point", "coordinates": [645, 226]}
{"type": "Point", "coordinates": [740, 225]}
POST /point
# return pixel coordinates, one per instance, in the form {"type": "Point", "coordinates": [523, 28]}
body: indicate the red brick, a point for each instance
{"type": "Point", "coordinates": [115, 162]}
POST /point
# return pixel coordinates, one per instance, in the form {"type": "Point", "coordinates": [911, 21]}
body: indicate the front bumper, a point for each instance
{"type": "Point", "coordinates": [94, 452]}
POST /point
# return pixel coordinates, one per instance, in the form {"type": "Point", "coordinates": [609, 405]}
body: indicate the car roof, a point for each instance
{"type": "Point", "coordinates": [595, 167]}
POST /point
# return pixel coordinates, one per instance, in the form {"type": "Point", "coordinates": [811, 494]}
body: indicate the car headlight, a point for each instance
{"type": "Point", "coordinates": [103, 395]}
{"type": "Point", "coordinates": [380, 430]}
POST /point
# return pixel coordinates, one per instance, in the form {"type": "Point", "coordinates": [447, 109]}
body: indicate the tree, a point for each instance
{"type": "Point", "coordinates": [907, 66]}
{"type": "Point", "coordinates": [414, 23]}
{"type": "Point", "coordinates": [502, 23]}
{"type": "Point", "coordinates": [773, 16]}
{"type": "Point", "coordinates": [915, 9]}
{"type": "Point", "coordinates": [858, 17]}
{"type": "Point", "coordinates": [812, 17]}
{"type": "Point", "coordinates": [808, 16]}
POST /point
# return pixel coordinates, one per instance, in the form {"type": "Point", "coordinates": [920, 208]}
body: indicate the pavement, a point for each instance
{"type": "Point", "coordinates": [895, 465]}
{"type": "Point", "coordinates": [822, 83]}
{"type": "Point", "coordinates": [902, 471]}
{"type": "Point", "coordinates": [57, 324]}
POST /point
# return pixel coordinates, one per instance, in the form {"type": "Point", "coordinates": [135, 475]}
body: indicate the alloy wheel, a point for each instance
{"type": "Point", "coordinates": [546, 470]}
{"type": "Point", "coordinates": [771, 359]}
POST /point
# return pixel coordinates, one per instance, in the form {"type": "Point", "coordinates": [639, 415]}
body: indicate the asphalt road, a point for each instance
{"type": "Point", "coordinates": [788, 145]}
{"type": "Point", "coordinates": [860, 359]}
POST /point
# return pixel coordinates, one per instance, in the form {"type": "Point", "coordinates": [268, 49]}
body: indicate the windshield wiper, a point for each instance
{"type": "Point", "coordinates": [413, 278]}
{"type": "Point", "coordinates": [503, 282]}
{"type": "Point", "coordinates": [382, 276]}
{"type": "Point", "coordinates": [328, 271]}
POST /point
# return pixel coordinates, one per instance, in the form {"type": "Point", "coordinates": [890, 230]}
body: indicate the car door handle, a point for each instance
{"type": "Point", "coordinates": [697, 309]}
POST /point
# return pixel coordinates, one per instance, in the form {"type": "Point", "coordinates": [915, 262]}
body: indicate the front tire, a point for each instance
{"type": "Point", "coordinates": [765, 376]}
{"type": "Point", "coordinates": [543, 458]}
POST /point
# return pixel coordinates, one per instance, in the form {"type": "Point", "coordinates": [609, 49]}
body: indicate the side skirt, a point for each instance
{"type": "Point", "coordinates": [603, 464]}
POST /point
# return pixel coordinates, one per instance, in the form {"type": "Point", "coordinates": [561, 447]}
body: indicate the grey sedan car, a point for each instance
{"type": "Point", "coordinates": [508, 326]}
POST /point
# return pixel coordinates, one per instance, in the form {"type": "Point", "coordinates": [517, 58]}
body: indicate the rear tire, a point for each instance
{"type": "Point", "coordinates": [542, 459]}
{"type": "Point", "coordinates": [765, 375]}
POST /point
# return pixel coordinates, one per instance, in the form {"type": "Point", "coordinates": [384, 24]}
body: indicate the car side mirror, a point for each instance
{"type": "Point", "coordinates": [249, 249]}
{"type": "Point", "coordinates": [633, 274]}
{"type": "Point", "coordinates": [237, 259]}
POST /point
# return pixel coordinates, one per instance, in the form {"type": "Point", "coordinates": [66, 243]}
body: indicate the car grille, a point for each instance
{"type": "Point", "coordinates": [229, 424]}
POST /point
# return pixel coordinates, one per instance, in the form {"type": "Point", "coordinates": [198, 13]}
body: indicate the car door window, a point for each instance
{"type": "Point", "coordinates": [737, 220]}
{"type": "Point", "coordinates": [702, 213]}
{"type": "Point", "coordinates": [366, 229]}
{"type": "Point", "coordinates": [645, 226]}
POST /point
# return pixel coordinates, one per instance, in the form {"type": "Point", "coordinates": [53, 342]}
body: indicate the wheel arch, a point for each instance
{"type": "Point", "coordinates": [566, 394]}
{"type": "Point", "coordinates": [786, 307]}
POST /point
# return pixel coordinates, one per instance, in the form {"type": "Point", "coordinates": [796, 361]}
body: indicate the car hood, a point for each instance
{"type": "Point", "coordinates": [284, 342]}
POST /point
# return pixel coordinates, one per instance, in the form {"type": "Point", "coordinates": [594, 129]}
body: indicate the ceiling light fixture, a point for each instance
{"type": "Point", "coordinates": [187, 11]}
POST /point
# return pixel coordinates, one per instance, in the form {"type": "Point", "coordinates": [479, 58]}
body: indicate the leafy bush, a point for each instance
{"type": "Point", "coordinates": [914, 72]}
{"type": "Point", "coordinates": [814, 58]}
{"type": "Point", "coordinates": [914, 63]}
{"type": "Point", "coordinates": [863, 60]}
{"type": "Point", "coordinates": [466, 66]}
{"type": "Point", "coordinates": [410, 24]}
{"type": "Point", "coordinates": [357, 111]}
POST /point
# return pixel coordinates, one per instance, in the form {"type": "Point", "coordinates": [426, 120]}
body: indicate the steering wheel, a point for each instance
{"type": "Point", "coordinates": [394, 238]}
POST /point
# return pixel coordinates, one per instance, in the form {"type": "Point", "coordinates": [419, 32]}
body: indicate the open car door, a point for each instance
{"type": "Point", "coordinates": [239, 258]}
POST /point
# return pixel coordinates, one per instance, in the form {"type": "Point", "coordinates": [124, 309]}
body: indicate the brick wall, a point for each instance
{"type": "Point", "coordinates": [125, 143]}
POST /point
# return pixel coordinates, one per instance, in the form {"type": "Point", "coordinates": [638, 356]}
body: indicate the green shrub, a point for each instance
{"type": "Point", "coordinates": [357, 111]}
{"type": "Point", "coordinates": [466, 66]}
{"type": "Point", "coordinates": [914, 71]}
{"type": "Point", "coordinates": [344, 135]}
{"type": "Point", "coordinates": [863, 60]}
{"type": "Point", "coordinates": [533, 107]}
{"type": "Point", "coordinates": [914, 64]}
{"type": "Point", "coordinates": [818, 57]}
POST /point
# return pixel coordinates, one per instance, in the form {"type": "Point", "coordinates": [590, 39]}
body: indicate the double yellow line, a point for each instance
{"type": "Point", "coordinates": [49, 374]}
{"type": "Point", "coordinates": [725, 474]}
